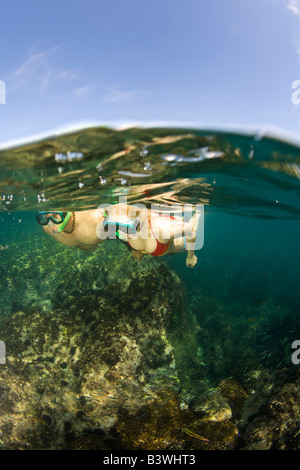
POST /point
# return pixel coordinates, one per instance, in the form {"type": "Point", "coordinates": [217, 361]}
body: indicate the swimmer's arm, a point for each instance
{"type": "Point", "coordinates": [191, 258]}
{"type": "Point", "coordinates": [169, 229]}
{"type": "Point", "coordinates": [183, 229]}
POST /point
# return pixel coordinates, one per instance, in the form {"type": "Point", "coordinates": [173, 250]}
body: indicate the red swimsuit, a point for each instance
{"type": "Point", "coordinates": [161, 248]}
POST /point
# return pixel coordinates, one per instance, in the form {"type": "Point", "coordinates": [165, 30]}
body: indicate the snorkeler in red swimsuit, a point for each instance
{"type": "Point", "coordinates": [84, 230]}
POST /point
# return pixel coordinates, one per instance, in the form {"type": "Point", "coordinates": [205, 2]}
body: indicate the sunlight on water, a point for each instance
{"type": "Point", "coordinates": [228, 171]}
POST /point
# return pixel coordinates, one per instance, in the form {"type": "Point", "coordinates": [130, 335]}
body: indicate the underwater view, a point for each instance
{"type": "Point", "coordinates": [108, 346]}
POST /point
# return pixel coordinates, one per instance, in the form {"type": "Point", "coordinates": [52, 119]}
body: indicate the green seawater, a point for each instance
{"type": "Point", "coordinates": [243, 294]}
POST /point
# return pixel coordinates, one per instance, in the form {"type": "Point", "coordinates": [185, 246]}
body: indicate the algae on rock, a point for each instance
{"type": "Point", "coordinates": [75, 371]}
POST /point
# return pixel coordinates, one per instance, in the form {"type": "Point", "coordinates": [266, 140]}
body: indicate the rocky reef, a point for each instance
{"type": "Point", "coordinates": [100, 372]}
{"type": "Point", "coordinates": [106, 353]}
{"type": "Point", "coordinates": [271, 414]}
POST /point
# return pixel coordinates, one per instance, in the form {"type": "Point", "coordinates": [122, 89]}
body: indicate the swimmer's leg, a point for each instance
{"type": "Point", "coordinates": [138, 255]}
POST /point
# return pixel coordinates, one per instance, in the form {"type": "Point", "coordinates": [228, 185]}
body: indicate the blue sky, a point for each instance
{"type": "Point", "coordinates": [205, 62]}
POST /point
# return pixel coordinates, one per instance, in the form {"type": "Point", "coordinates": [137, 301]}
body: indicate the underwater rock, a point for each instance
{"type": "Point", "coordinates": [224, 402]}
{"type": "Point", "coordinates": [163, 425]}
{"type": "Point", "coordinates": [100, 372]}
{"type": "Point", "coordinates": [271, 416]}
{"type": "Point", "coordinates": [29, 280]}
{"type": "Point", "coordinates": [212, 407]}
{"type": "Point", "coordinates": [121, 362]}
{"type": "Point", "coordinates": [234, 394]}
{"type": "Point", "coordinates": [73, 373]}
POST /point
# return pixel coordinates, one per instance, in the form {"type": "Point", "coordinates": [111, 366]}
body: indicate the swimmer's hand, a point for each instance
{"type": "Point", "coordinates": [191, 262]}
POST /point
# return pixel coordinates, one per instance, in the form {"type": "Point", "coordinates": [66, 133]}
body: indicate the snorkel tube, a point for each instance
{"type": "Point", "coordinates": [64, 223]}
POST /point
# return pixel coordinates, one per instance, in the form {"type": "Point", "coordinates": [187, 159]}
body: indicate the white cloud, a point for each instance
{"type": "Point", "coordinates": [35, 70]}
{"type": "Point", "coordinates": [294, 6]}
{"type": "Point", "coordinates": [82, 93]}
{"type": "Point", "coordinates": [39, 71]}
{"type": "Point", "coordinates": [115, 95]}
{"type": "Point", "coordinates": [71, 74]}
{"type": "Point", "coordinates": [34, 62]}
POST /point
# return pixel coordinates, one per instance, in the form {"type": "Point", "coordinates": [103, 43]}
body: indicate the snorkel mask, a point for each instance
{"type": "Point", "coordinates": [57, 217]}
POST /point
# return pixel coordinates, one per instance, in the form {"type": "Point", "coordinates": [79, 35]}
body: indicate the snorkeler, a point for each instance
{"type": "Point", "coordinates": [76, 229]}
{"type": "Point", "coordinates": [144, 231]}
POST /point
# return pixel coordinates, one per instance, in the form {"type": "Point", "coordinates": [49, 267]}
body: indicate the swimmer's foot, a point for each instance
{"type": "Point", "coordinates": [138, 255]}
